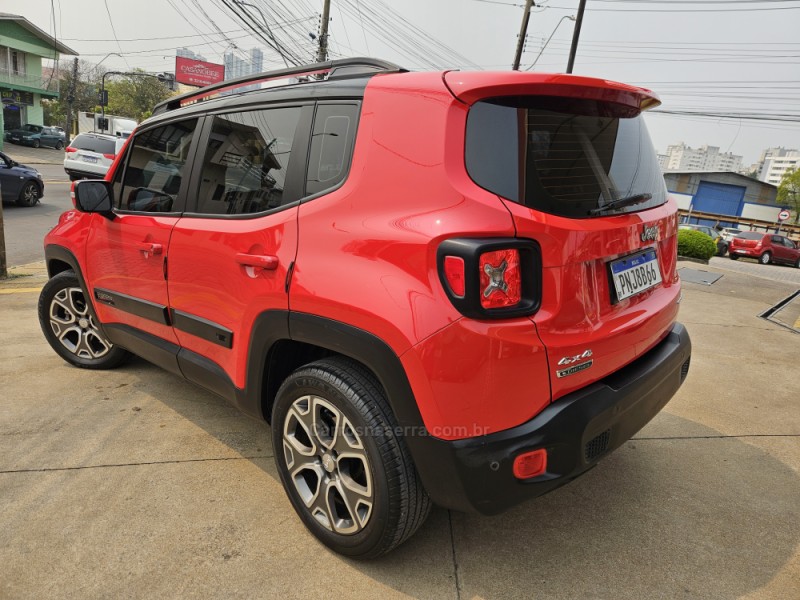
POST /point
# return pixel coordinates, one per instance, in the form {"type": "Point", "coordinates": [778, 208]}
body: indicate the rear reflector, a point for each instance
{"type": "Point", "coordinates": [501, 279]}
{"type": "Point", "coordinates": [454, 274]}
{"type": "Point", "coordinates": [530, 464]}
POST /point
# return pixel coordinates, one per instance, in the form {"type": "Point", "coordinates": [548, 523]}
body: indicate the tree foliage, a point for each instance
{"type": "Point", "coordinates": [789, 192]}
{"type": "Point", "coordinates": [86, 86]}
{"type": "Point", "coordinates": [134, 96]}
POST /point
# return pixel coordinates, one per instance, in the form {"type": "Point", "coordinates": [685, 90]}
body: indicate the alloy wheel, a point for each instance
{"type": "Point", "coordinates": [74, 327]}
{"type": "Point", "coordinates": [328, 465]}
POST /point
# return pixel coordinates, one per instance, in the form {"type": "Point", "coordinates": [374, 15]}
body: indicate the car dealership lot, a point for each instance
{"type": "Point", "coordinates": [134, 483]}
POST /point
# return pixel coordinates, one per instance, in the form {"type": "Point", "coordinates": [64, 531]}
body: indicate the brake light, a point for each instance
{"type": "Point", "coordinates": [70, 149]}
{"type": "Point", "coordinates": [454, 274]}
{"type": "Point", "coordinates": [491, 278]}
{"type": "Point", "coordinates": [530, 464]}
{"type": "Point", "coordinates": [500, 279]}
{"type": "Point", "coordinates": [110, 156]}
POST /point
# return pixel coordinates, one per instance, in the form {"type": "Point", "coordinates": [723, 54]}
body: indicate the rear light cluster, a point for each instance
{"type": "Point", "coordinates": [70, 149]}
{"type": "Point", "coordinates": [491, 278]}
{"type": "Point", "coordinates": [110, 156]}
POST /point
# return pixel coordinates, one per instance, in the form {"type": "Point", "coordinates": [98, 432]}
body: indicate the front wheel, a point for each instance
{"type": "Point", "coordinates": [36, 143]}
{"type": "Point", "coordinates": [59, 145]}
{"type": "Point", "coordinates": [347, 473]}
{"type": "Point", "coordinates": [734, 257]}
{"type": "Point", "coordinates": [70, 328]}
{"type": "Point", "coordinates": [765, 259]}
{"type": "Point", "coordinates": [28, 195]}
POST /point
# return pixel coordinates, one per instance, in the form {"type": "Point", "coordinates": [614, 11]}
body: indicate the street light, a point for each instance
{"type": "Point", "coordinates": [571, 18]}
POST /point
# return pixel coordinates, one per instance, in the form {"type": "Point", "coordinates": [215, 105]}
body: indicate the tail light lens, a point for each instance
{"type": "Point", "coordinates": [501, 280]}
{"type": "Point", "coordinates": [491, 278]}
{"type": "Point", "coordinates": [110, 156]}
{"type": "Point", "coordinates": [70, 149]}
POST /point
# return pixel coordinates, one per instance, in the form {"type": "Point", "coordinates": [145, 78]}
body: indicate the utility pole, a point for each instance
{"type": "Point", "coordinates": [71, 99]}
{"type": "Point", "coordinates": [574, 48]}
{"type": "Point", "coordinates": [322, 53]}
{"type": "Point", "coordinates": [523, 32]}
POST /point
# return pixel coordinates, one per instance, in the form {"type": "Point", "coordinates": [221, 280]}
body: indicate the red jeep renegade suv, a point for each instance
{"type": "Point", "coordinates": [451, 288]}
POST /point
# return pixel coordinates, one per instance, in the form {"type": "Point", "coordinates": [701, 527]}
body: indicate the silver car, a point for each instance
{"type": "Point", "coordinates": [90, 155]}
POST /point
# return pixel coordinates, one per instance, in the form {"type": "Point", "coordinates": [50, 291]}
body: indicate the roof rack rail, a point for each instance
{"type": "Point", "coordinates": [346, 65]}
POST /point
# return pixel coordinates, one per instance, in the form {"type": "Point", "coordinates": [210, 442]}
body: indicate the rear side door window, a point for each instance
{"type": "Point", "coordinates": [331, 146]}
{"type": "Point", "coordinates": [246, 162]}
{"type": "Point", "coordinates": [156, 168]}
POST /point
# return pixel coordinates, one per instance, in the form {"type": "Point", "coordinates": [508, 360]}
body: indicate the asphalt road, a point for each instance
{"type": "Point", "coordinates": [25, 227]}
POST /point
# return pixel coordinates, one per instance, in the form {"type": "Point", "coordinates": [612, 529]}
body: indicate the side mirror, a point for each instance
{"type": "Point", "coordinates": [93, 196]}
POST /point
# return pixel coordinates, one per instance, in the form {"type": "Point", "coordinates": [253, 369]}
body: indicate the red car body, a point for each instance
{"type": "Point", "coordinates": [766, 247]}
{"type": "Point", "coordinates": [370, 269]}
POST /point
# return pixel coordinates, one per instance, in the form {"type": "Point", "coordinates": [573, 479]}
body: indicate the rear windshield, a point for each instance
{"type": "Point", "coordinates": [94, 144]}
{"type": "Point", "coordinates": [564, 156]}
{"type": "Point", "coordinates": [750, 235]}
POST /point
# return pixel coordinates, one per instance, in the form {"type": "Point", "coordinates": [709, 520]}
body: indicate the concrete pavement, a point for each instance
{"type": "Point", "coordinates": [132, 483]}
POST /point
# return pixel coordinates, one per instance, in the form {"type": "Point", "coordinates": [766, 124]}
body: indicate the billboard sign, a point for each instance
{"type": "Point", "coordinates": [197, 72]}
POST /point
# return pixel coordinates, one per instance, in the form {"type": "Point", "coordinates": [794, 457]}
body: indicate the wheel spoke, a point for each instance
{"type": "Point", "coordinates": [70, 338]}
{"type": "Point", "coordinates": [298, 428]}
{"type": "Point", "coordinates": [326, 422]}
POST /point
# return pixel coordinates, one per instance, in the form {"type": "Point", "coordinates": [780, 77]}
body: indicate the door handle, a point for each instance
{"type": "Point", "coordinates": [153, 249]}
{"type": "Point", "coordinates": [261, 261]}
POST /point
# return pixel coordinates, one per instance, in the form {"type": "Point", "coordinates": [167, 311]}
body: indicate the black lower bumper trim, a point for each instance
{"type": "Point", "coordinates": [475, 474]}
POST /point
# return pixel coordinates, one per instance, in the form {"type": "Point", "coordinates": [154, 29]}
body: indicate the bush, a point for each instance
{"type": "Point", "coordinates": [695, 244]}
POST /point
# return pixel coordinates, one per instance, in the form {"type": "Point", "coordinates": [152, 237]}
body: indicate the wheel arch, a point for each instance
{"type": "Point", "coordinates": [59, 259]}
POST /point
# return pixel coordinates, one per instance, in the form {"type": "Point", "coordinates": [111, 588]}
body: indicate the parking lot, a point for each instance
{"type": "Point", "coordinates": [133, 483]}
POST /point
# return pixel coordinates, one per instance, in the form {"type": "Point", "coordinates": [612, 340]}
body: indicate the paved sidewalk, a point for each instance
{"type": "Point", "coordinates": [33, 156]}
{"type": "Point", "coordinates": [132, 483]}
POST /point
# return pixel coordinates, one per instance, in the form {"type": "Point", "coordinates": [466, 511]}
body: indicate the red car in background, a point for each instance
{"type": "Point", "coordinates": [766, 247]}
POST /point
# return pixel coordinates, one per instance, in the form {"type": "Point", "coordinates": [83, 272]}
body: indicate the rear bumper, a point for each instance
{"type": "Point", "coordinates": [475, 474]}
{"type": "Point", "coordinates": [751, 252]}
{"type": "Point", "coordinates": [83, 174]}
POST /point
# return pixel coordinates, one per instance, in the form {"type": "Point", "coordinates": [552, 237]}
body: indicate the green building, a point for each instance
{"type": "Point", "coordinates": [22, 83]}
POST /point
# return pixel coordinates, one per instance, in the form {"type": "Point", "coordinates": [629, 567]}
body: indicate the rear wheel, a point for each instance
{"type": "Point", "coordinates": [347, 473]}
{"type": "Point", "coordinates": [797, 264]}
{"type": "Point", "coordinates": [734, 257]}
{"type": "Point", "coordinates": [765, 258]}
{"type": "Point", "coordinates": [28, 195]}
{"type": "Point", "coordinates": [70, 328]}
{"type": "Point", "coordinates": [59, 145]}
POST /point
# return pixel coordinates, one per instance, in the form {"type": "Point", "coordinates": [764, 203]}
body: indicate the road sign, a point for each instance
{"type": "Point", "coordinates": [784, 214]}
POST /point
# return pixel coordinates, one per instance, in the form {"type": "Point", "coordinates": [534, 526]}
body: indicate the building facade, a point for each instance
{"type": "Point", "coordinates": [680, 157]}
{"type": "Point", "coordinates": [22, 85]}
{"type": "Point", "coordinates": [238, 67]}
{"type": "Point", "coordinates": [776, 162]}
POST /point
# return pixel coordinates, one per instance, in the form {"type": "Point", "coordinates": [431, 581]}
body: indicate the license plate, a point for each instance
{"type": "Point", "coordinates": [89, 159]}
{"type": "Point", "coordinates": [635, 274]}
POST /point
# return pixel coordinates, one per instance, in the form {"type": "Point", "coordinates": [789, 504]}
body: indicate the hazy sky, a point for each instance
{"type": "Point", "coordinates": [720, 56]}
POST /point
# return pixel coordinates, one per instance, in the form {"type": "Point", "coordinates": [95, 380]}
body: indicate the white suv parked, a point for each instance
{"type": "Point", "coordinates": [90, 155]}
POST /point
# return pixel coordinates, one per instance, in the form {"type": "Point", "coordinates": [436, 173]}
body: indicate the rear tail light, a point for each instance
{"type": "Point", "coordinates": [70, 149]}
{"type": "Point", "coordinates": [110, 156]}
{"type": "Point", "coordinates": [530, 464]}
{"type": "Point", "coordinates": [501, 280]}
{"type": "Point", "coordinates": [491, 278]}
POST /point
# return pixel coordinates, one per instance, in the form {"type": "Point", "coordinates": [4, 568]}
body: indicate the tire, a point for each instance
{"type": "Point", "coordinates": [36, 143]}
{"type": "Point", "coordinates": [797, 264]}
{"type": "Point", "coordinates": [722, 249]}
{"type": "Point", "coordinates": [59, 145]}
{"type": "Point", "coordinates": [765, 258]}
{"type": "Point", "coordinates": [332, 429]}
{"type": "Point", "coordinates": [733, 256]}
{"type": "Point", "coordinates": [69, 327]}
{"type": "Point", "coordinates": [28, 195]}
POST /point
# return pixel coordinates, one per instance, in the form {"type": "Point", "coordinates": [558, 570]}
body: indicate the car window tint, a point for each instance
{"type": "Point", "coordinates": [331, 146]}
{"type": "Point", "coordinates": [92, 143]}
{"type": "Point", "coordinates": [750, 235]}
{"type": "Point", "coordinates": [244, 169]}
{"type": "Point", "coordinates": [156, 166]}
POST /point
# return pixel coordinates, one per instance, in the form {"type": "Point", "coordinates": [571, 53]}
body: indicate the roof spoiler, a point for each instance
{"type": "Point", "coordinates": [345, 67]}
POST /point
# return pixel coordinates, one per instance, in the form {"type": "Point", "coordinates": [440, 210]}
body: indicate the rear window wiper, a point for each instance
{"type": "Point", "coordinates": [621, 203]}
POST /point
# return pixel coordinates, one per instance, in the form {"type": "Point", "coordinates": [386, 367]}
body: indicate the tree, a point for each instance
{"type": "Point", "coordinates": [789, 192]}
{"type": "Point", "coordinates": [134, 96]}
{"type": "Point", "coordinates": [86, 86]}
